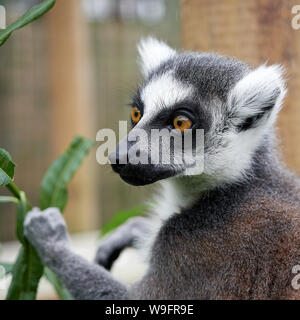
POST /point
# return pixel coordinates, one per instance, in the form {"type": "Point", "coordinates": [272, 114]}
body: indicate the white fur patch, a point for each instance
{"type": "Point", "coordinates": [163, 92]}
{"type": "Point", "coordinates": [152, 53]}
{"type": "Point", "coordinates": [230, 163]}
{"type": "Point", "coordinates": [255, 90]}
{"type": "Point", "coordinates": [167, 202]}
{"type": "Point", "coordinates": [231, 160]}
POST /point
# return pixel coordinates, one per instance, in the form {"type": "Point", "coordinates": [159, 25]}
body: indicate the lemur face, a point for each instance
{"type": "Point", "coordinates": [182, 92]}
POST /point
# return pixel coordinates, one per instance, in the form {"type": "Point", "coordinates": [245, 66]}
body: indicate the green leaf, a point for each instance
{"type": "Point", "coordinates": [7, 266]}
{"type": "Point", "coordinates": [34, 13]}
{"type": "Point", "coordinates": [53, 191]}
{"type": "Point", "coordinates": [4, 199]}
{"type": "Point", "coordinates": [27, 272]}
{"type": "Point", "coordinates": [121, 217]}
{"type": "Point", "coordinates": [28, 268]}
{"type": "Point", "coordinates": [62, 292]}
{"type": "Point", "coordinates": [7, 168]}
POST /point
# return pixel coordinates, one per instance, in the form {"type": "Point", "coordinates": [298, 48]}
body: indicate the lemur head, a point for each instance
{"type": "Point", "coordinates": [234, 104]}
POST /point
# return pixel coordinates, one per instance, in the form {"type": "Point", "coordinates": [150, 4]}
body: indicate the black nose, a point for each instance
{"type": "Point", "coordinates": [118, 160]}
{"type": "Point", "coordinates": [117, 167]}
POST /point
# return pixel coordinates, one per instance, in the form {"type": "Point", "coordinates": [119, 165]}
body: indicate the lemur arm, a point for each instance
{"type": "Point", "coordinates": [85, 281]}
{"type": "Point", "coordinates": [124, 236]}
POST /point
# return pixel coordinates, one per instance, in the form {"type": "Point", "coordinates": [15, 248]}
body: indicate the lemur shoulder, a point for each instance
{"type": "Point", "coordinates": [231, 231]}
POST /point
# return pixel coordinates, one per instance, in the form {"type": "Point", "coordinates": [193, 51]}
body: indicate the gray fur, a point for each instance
{"type": "Point", "coordinates": [85, 281]}
{"type": "Point", "coordinates": [238, 237]}
{"type": "Point", "coordinates": [124, 236]}
{"type": "Point", "coordinates": [205, 72]}
{"type": "Point", "coordinates": [239, 241]}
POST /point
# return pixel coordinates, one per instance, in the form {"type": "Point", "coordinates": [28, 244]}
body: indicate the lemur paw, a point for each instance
{"type": "Point", "coordinates": [44, 228]}
{"type": "Point", "coordinates": [124, 236]}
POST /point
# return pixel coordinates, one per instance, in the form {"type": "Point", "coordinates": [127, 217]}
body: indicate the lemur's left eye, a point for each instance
{"type": "Point", "coordinates": [135, 115]}
{"type": "Point", "coordinates": [182, 123]}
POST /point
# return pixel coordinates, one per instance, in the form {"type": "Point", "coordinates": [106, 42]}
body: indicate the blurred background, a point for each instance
{"type": "Point", "coordinates": [73, 72]}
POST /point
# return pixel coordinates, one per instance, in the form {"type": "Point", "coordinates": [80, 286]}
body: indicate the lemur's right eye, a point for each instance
{"type": "Point", "coordinates": [135, 115]}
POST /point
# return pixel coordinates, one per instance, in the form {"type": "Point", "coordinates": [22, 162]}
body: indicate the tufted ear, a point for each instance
{"type": "Point", "coordinates": [257, 98]}
{"type": "Point", "coordinates": [152, 53]}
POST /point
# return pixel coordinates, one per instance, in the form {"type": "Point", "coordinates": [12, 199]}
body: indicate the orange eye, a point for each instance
{"type": "Point", "coordinates": [135, 115]}
{"type": "Point", "coordinates": [182, 123]}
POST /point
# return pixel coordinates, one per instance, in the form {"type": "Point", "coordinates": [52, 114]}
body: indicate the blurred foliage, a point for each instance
{"type": "Point", "coordinates": [28, 268]}
{"type": "Point", "coordinates": [7, 266]}
{"type": "Point", "coordinates": [54, 184]}
{"type": "Point", "coordinates": [34, 13]}
{"type": "Point", "coordinates": [7, 168]}
{"type": "Point", "coordinates": [121, 217]}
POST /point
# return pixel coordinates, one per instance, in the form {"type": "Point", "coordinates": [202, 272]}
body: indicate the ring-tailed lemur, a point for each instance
{"type": "Point", "coordinates": [230, 232]}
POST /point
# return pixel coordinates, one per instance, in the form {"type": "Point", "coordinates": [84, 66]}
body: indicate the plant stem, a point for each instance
{"type": "Point", "coordinates": [14, 190]}
{"type": "Point", "coordinates": [19, 194]}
